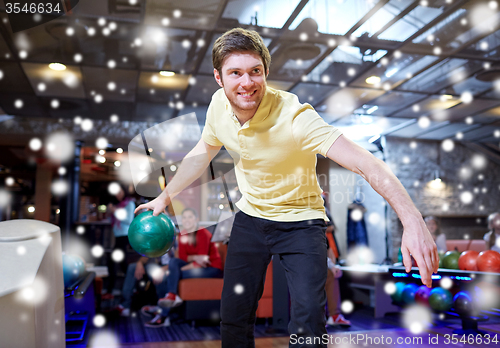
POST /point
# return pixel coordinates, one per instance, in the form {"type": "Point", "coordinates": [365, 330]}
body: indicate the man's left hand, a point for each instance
{"type": "Point", "coordinates": [418, 242]}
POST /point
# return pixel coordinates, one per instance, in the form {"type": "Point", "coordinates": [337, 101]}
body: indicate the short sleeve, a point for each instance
{"type": "Point", "coordinates": [311, 133]}
{"type": "Point", "coordinates": [209, 134]}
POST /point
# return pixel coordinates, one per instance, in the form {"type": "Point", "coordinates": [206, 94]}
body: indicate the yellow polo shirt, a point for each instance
{"type": "Point", "coordinates": [275, 154]}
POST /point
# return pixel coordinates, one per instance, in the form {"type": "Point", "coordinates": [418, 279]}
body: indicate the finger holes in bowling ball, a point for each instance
{"type": "Point", "coordinates": [151, 236]}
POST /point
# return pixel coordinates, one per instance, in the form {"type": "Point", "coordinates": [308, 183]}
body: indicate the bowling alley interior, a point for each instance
{"type": "Point", "coordinates": [101, 101]}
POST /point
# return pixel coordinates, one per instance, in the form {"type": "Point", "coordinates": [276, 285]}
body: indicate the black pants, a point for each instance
{"type": "Point", "coordinates": [114, 267]}
{"type": "Point", "coordinates": [301, 247]}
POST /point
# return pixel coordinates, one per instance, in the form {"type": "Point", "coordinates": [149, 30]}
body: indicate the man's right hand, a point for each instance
{"type": "Point", "coordinates": [139, 271]}
{"type": "Point", "coordinates": [192, 167]}
{"type": "Point", "coordinates": [157, 205]}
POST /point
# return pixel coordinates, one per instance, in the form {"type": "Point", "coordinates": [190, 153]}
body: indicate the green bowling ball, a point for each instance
{"type": "Point", "coordinates": [450, 260]}
{"type": "Point", "coordinates": [151, 236]}
{"type": "Point", "coordinates": [440, 299]}
{"type": "Point", "coordinates": [441, 256]}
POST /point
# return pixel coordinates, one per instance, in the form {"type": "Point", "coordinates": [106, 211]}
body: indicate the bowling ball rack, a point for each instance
{"type": "Point", "coordinates": [469, 324]}
{"type": "Point", "coordinates": [79, 304]}
{"type": "Point", "coordinates": [461, 279]}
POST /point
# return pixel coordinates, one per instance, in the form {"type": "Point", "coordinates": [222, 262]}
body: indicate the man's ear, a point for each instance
{"type": "Point", "coordinates": [218, 78]}
{"type": "Point", "coordinates": [267, 73]}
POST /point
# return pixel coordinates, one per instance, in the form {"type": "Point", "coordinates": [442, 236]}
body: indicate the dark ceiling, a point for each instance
{"type": "Point", "coordinates": [437, 61]}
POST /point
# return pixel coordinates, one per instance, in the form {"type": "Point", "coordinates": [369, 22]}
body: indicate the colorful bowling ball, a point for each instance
{"type": "Point", "coordinates": [450, 260]}
{"type": "Point", "coordinates": [397, 296]}
{"type": "Point", "coordinates": [422, 295]}
{"type": "Point", "coordinates": [440, 299]}
{"type": "Point", "coordinates": [80, 262]}
{"type": "Point", "coordinates": [467, 260]}
{"type": "Point", "coordinates": [409, 292]}
{"type": "Point", "coordinates": [486, 295]}
{"type": "Point", "coordinates": [72, 269]}
{"type": "Point", "coordinates": [463, 304]}
{"type": "Point", "coordinates": [151, 236]}
{"type": "Point", "coordinates": [488, 261]}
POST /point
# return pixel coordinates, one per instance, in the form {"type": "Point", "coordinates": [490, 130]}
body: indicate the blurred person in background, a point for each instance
{"type": "Point", "coordinates": [492, 237]}
{"type": "Point", "coordinates": [439, 237]}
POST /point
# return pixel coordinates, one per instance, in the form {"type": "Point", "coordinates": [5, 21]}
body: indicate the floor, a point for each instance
{"type": "Point", "coordinates": [435, 337]}
{"type": "Point", "coordinates": [365, 332]}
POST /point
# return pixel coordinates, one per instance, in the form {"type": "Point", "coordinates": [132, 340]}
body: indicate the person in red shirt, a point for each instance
{"type": "Point", "coordinates": [196, 257]}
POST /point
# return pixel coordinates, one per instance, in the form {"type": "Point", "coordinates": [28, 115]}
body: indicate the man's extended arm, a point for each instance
{"type": "Point", "coordinates": [417, 240]}
{"type": "Point", "coordinates": [191, 168]}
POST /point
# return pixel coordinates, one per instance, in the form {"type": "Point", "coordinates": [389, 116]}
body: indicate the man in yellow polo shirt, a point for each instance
{"type": "Point", "coordinates": [274, 140]}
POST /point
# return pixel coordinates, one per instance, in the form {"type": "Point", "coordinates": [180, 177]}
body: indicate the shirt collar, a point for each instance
{"type": "Point", "coordinates": [264, 108]}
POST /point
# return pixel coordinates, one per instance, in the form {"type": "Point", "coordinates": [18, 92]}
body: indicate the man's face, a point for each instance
{"type": "Point", "coordinates": [244, 81]}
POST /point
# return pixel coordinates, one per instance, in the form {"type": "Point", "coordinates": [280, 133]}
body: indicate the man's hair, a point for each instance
{"type": "Point", "coordinates": [239, 40]}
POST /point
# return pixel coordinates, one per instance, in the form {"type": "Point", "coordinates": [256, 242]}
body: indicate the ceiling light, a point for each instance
{"type": "Point", "coordinates": [57, 66]}
{"type": "Point", "coordinates": [372, 109]}
{"type": "Point", "coordinates": [158, 37]}
{"type": "Point", "coordinates": [446, 97]}
{"type": "Point", "coordinates": [366, 119]}
{"type": "Point", "coordinates": [372, 80]}
{"type": "Point", "coordinates": [361, 131]}
{"type": "Point", "coordinates": [437, 183]}
{"type": "Point", "coordinates": [167, 73]}
{"type": "Point", "coordinates": [391, 72]}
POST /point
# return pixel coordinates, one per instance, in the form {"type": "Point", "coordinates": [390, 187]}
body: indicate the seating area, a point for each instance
{"type": "Point", "coordinates": [466, 244]}
{"type": "Point", "coordinates": [205, 293]}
